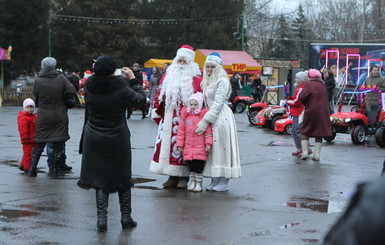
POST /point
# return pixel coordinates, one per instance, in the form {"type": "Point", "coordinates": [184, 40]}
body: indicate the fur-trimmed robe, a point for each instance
{"type": "Point", "coordinates": [167, 160]}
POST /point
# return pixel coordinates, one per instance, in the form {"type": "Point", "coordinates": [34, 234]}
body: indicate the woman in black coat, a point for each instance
{"type": "Point", "coordinates": [106, 147]}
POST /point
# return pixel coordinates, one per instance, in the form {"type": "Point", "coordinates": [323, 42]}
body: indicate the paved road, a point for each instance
{"type": "Point", "coordinates": [279, 199]}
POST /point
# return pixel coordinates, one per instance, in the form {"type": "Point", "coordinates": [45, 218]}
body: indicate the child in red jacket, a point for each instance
{"type": "Point", "coordinates": [193, 146]}
{"type": "Point", "coordinates": [26, 122]}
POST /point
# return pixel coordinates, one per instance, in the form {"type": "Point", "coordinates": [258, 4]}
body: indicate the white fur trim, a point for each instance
{"type": "Point", "coordinates": [215, 59]}
{"type": "Point", "coordinates": [163, 166]}
{"type": "Point", "coordinates": [210, 117]}
{"type": "Point", "coordinates": [185, 52]}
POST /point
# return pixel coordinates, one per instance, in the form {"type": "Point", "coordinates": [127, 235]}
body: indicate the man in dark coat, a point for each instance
{"type": "Point", "coordinates": [106, 149]}
{"type": "Point", "coordinates": [52, 93]}
{"type": "Point", "coordinates": [316, 120]}
{"type": "Point", "coordinates": [363, 221]}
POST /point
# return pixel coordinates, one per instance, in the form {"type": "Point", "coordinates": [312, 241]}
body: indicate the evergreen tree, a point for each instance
{"type": "Point", "coordinates": [24, 26]}
{"type": "Point", "coordinates": [301, 35]}
{"type": "Point", "coordinates": [282, 44]}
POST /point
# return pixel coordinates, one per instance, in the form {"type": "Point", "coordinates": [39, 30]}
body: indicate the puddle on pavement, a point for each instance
{"type": "Point", "coordinates": [138, 180]}
{"type": "Point", "coordinates": [10, 162]}
{"type": "Point", "coordinates": [9, 214]}
{"type": "Point", "coordinates": [311, 240]}
{"type": "Point", "coordinates": [279, 143]}
{"type": "Point", "coordinates": [319, 205]}
{"type": "Point", "coordinates": [39, 208]}
{"type": "Point", "coordinates": [147, 187]}
{"type": "Point", "coordinates": [288, 225]}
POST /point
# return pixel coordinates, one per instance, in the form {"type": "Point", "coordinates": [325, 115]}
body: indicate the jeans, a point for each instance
{"type": "Point", "coordinates": [50, 154]}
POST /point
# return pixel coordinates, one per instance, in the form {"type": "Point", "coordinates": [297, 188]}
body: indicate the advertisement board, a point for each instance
{"type": "Point", "coordinates": [353, 59]}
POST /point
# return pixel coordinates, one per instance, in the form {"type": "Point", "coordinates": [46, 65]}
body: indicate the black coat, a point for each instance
{"type": "Point", "coordinates": [106, 160]}
{"type": "Point", "coordinates": [330, 84]}
{"type": "Point", "coordinates": [363, 222]}
{"type": "Point", "coordinates": [51, 89]}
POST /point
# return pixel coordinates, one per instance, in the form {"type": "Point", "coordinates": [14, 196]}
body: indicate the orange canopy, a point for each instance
{"type": "Point", "coordinates": [233, 61]}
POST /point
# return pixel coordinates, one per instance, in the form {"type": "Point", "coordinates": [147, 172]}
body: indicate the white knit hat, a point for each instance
{"type": "Point", "coordinates": [28, 102]}
{"type": "Point", "coordinates": [186, 51]}
{"type": "Point", "coordinates": [198, 96]}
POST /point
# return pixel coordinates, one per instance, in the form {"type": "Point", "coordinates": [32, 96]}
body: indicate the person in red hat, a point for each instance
{"type": "Point", "coordinates": [181, 80]}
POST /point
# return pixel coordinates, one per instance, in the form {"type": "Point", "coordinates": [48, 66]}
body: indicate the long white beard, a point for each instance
{"type": "Point", "coordinates": [177, 86]}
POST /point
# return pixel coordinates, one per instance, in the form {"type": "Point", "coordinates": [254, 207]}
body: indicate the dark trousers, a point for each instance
{"type": "Point", "coordinates": [58, 150]}
{"type": "Point", "coordinates": [196, 166]}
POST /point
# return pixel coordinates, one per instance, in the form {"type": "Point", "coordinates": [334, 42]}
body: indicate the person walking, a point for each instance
{"type": "Point", "coordinates": [193, 146]}
{"type": "Point", "coordinates": [223, 162]}
{"type": "Point", "coordinates": [106, 146]}
{"type": "Point", "coordinates": [296, 109]}
{"type": "Point", "coordinates": [53, 94]}
{"type": "Point", "coordinates": [26, 122]}
{"type": "Point", "coordinates": [316, 120]}
{"type": "Point", "coordinates": [154, 83]}
{"type": "Point", "coordinates": [175, 88]}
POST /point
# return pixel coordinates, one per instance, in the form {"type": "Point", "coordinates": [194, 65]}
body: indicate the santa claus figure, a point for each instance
{"type": "Point", "coordinates": [181, 80]}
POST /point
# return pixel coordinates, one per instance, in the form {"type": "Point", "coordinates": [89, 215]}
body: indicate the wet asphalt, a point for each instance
{"type": "Point", "coordinates": [278, 200]}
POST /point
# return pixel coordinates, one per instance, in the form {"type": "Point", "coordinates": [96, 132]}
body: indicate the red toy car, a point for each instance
{"type": "Point", "coordinates": [284, 126]}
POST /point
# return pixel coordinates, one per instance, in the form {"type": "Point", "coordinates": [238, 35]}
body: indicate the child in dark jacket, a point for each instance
{"type": "Point", "coordinates": [193, 146]}
{"type": "Point", "coordinates": [26, 122]}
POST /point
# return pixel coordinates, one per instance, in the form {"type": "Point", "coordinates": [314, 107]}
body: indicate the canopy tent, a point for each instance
{"type": "Point", "coordinates": [155, 62]}
{"type": "Point", "coordinates": [149, 64]}
{"type": "Point", "coordinates": [233, 61]}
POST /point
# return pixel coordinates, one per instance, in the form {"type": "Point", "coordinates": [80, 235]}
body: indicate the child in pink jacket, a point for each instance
{"type": "Point", "coordinates": [193, 146]}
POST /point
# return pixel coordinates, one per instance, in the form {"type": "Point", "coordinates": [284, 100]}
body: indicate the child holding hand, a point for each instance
{"type": "Point", "coordinates": [26, 122]}
{"type": "Point", "coordinates": [193, 146]}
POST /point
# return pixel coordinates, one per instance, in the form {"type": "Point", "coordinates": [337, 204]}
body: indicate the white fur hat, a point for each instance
{"type": "Point", "coordinates": [186, 51]}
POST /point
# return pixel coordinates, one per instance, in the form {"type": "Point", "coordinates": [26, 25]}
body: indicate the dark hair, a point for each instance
{"type": "Point", "coordinates": [371, 68]}
{"type": "Point", "coordinates": [157, 69]}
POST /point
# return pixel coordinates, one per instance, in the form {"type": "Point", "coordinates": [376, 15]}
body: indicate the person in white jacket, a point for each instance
{"type": "Point", "coordinates": [223, 162]}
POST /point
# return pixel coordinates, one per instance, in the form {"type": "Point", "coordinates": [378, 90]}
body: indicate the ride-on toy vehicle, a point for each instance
{"type": "Point", "coordinates": [268, 116]}
{"type": "Point", "coordinates": [239, 103]}
{"type": "Point", "coordinates": [357, 122]}
{"type": "Point", "coordinates": [255, 108]}
{"type": "Point", "coordinates": [284, 126]}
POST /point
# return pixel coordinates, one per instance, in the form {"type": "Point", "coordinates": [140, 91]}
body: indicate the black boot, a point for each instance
{"type": "Point", "coordinates": [33, 168]}
{"type": "Point", "coordinates": [102, 205]}
{"type": "Point", "coordinates": [125, 209]}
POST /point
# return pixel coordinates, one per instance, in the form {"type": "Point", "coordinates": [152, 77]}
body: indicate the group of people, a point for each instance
{"type": "Point", "coordinates": [310, 110]}
{"type": "Point", "coordinates": [196, 137]}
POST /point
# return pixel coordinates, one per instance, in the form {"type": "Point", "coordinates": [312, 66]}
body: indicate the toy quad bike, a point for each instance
{"type": "Point", "coordinates": [239, 103]}
{"type": "Point", "coordinates": [357, 122]}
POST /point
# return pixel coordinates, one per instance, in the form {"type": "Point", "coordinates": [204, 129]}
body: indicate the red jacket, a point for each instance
{"type": "Point", "coordinates": [27, 127]}
{"type": "Point", "coordinates": [295, 104]}
{"type": "Point", "coordinates": [194, 145]}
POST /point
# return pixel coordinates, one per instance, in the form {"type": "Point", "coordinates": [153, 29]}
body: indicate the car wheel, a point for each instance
{"type": "Point", "coordinates": [288, 129]}
{"type": "Point", "coordinates": [358, 134]}
{"type": "Point", "coordinates": [253, 117]}
{"type": "Point", "coordinates": [380, 137]}
{"type": "Point", "coordinates": [272, 125]}
{"type": "Point", "coordinates": [240, 107]}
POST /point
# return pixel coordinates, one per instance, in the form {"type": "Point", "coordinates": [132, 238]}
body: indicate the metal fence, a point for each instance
{"type": "Point", "coordinates": [14, 98]}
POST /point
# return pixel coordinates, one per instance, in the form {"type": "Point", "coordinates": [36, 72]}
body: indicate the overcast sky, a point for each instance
{"type": "Point", "coordinates": [286, 4]}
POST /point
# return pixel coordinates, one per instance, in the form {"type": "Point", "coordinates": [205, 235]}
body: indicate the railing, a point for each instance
{"type": "Point", "coordinates": [14, 98]}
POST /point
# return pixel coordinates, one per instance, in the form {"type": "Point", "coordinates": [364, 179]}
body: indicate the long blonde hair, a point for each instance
{"type": "Point", "coordinates": [218, 74]}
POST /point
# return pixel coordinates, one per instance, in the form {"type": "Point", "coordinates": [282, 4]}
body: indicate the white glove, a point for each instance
{"type": "Point", "coordinates": [201, 126]}
{"type": "Point", "coordinates": [153, 114]}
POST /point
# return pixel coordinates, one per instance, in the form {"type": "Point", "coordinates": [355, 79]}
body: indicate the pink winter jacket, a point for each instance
{"type": "Point", "coordinates": [194, 145]}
